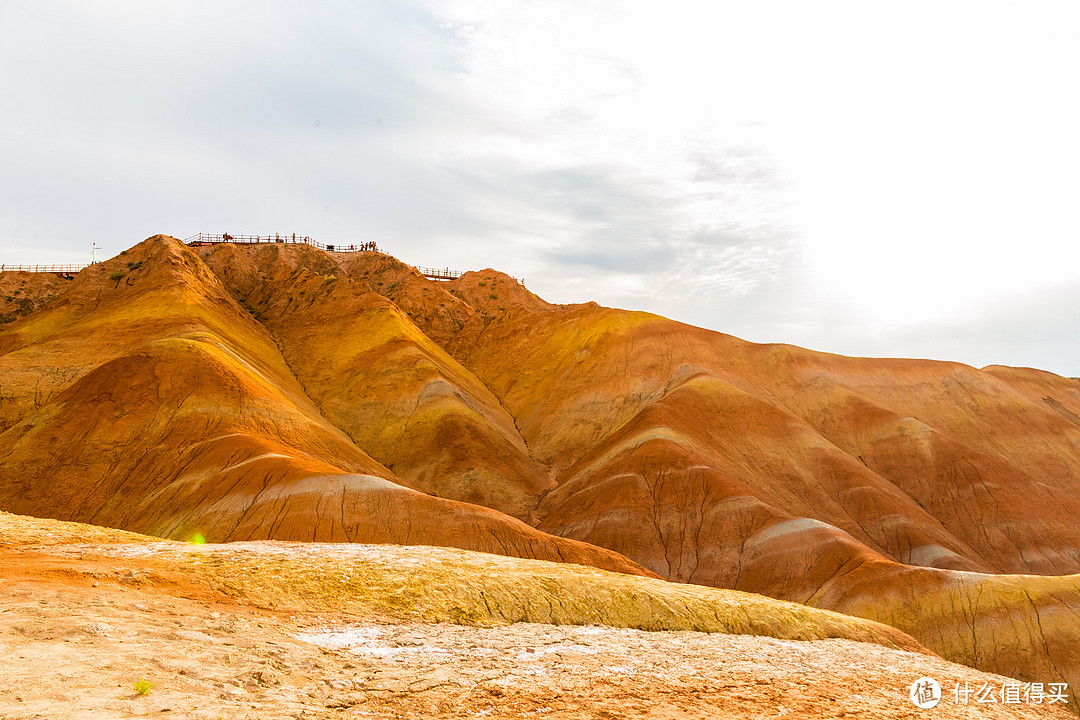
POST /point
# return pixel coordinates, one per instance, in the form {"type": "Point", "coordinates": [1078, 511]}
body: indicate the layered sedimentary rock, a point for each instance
{"type": "Point", "coordinates": [146, 398]}
{"type": "Point", "coordinates": [377, 376]}
{"type": "Point", "coordinates": [693, 433]}
{"type": "Point", "coordinates": [277, 391]}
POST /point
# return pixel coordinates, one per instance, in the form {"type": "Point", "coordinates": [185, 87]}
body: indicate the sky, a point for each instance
{"type": "Point", "coordinates": [866, 178]}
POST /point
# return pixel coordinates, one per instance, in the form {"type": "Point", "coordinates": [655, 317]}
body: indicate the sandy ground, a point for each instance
{"type": "Point", "coordinates": [305, 631]}
{"type": "Point", "coordinates": [76, 635]}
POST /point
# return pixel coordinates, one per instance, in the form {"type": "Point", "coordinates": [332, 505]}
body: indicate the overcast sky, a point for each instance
{"type": "Point", "coordinates": [867, 178]}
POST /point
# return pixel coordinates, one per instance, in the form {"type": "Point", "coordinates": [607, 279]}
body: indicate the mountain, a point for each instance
{"type": "Point", "coordinates": [144, 397]}
{"type": "Point", "coordinates": [278, 391]}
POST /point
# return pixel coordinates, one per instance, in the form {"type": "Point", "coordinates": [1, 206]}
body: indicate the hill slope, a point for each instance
{"type": "Point", "coordinates": [154, 402]}
{"type": "Point", "coordinates": [277, 391]}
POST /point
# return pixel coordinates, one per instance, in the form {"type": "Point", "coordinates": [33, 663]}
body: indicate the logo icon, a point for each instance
{"type": "Point", "coordinates": [925, 693]}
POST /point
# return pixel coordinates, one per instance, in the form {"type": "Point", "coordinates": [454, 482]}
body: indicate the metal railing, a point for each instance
{"type": "Point", "coordinates": [448, 274]}
{"type": "Point", "coordinates": [432, 273]}
{"type": "Point", "coordinates": [42, 268]}
{"type": "Point", "coordinates": [206, 239]}
{"type": "Point", "coordinates": [210, 239]}
{"type": "Point", "coordinates": [437, 273]}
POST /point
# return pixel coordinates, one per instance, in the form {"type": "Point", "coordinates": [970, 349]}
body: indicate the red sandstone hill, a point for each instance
{"type": "Point", "coordinates": [146, 398]}
{"type": "Point", "coordinates": [277, 391]}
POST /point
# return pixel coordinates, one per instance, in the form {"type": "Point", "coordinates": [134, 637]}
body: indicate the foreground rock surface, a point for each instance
{"type": "Point", "coordinates": [83, 621]}
{"type": "Point", "coordinates": [77, 654]}
{"type": "Point", "coordinates": [432, 584]}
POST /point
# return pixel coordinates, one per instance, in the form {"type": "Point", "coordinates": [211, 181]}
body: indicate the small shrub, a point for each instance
{"type": "Point", "coordinates": [329, 278]}
{"type": "Point", "coordinates": [117, 275]}
{"type": "Point", "coordinates": [493, 296]}
{"type": "Point", "coordinates": [483, 284]}
{"type": "Point", "coordinates": [142, 686]}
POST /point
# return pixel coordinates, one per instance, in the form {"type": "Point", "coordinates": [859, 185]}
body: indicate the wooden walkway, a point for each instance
{"type": "Point", "coordinates": [67, 271]}
{"type": "Point", "coordinates": [437, 274]}
{"type": "Point", "coordinates": [204, 239]}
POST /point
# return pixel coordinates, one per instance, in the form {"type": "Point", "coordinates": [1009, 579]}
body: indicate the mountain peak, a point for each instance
{"type": "Point", "coordinates": [279, 391]}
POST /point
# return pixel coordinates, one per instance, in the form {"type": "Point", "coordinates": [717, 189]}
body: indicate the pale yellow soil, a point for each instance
{"type": "Point", "coordinates": [221, 632]}
{"type": "Point", "coordinates": [74, 653]}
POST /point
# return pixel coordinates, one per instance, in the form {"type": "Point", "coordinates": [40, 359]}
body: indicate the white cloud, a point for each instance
{"type": "Point", "coordinates": [852, 176]}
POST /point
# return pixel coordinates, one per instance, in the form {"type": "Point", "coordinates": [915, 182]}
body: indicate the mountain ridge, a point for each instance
{"type": "Point", "coordinates": [279, 391]}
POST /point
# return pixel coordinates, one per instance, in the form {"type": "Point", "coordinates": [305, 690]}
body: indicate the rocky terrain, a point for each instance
{"type": "Point", "coordinates": [292, 630]}
{"type": "Point", "coordinates": [23, 292]}
{"type": "Point", "coordinates": [278, 392]}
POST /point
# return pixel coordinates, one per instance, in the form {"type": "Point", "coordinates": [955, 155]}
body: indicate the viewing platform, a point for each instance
{"type": "Point", "coordinates": [205, 239]}
{"type": "Point", "coordinates": [66, 271]}
{"type": "Point", "coordinates": [202, 239]}
{"type": "Point", "coordinates": [438, 274]}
